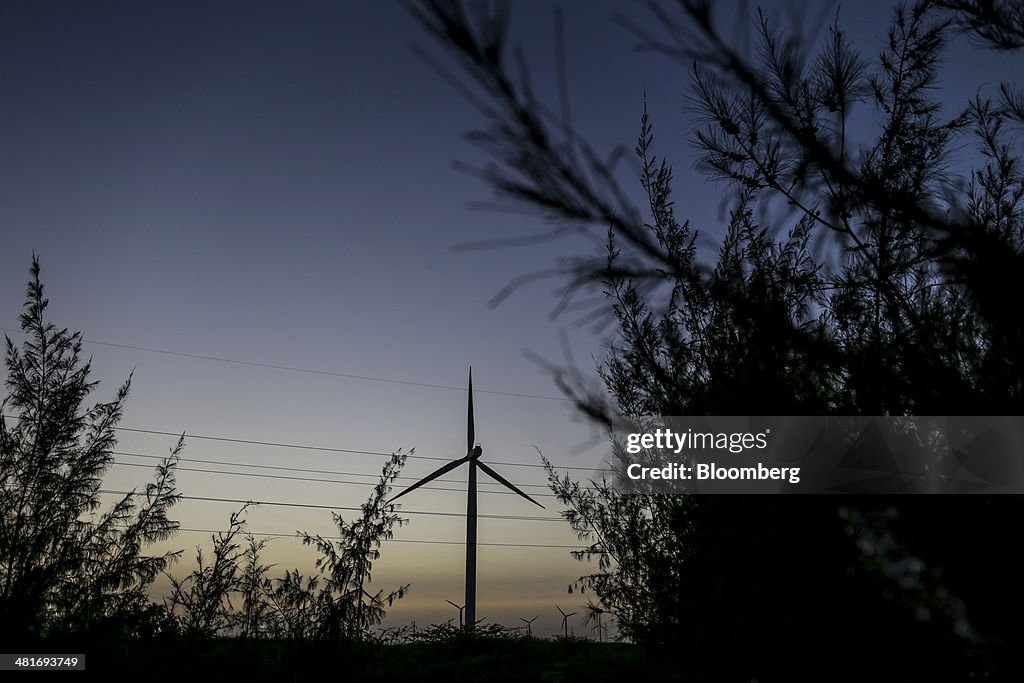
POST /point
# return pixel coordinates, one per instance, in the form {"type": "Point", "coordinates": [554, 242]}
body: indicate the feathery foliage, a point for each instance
{"type": "Point", "coordinates": [347, 608]}
{"type": "Point", "coordinates": [853, 277]}
{"type": "Point", "coordinates": [66, 564]}
{"type": "Point", "coordinates": [201, 602]}
{"type": "Point", "coordinates": [233, 594]}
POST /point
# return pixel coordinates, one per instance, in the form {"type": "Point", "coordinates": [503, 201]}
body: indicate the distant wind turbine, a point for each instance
{"type": "Point", "coordinates": [529, 625]}
{"type": "Point", "coordinates": [594, 614]}
{"type": "Point", "coordinates": [473, 452]}
{"type": "Point", "coordinates": [565, 620]}
{"type": "Point", "coordinates": [458, 607]}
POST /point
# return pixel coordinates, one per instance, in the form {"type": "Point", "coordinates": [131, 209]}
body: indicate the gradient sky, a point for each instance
{"type": "Point", "coordinates": [272, 182]}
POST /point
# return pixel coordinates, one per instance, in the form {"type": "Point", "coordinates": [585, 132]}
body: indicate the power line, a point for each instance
{"type": "Point", "coordinates": [312, 506]}
{"type": "Point", "coordinates": [328, 536]}
{"type": "Point", "coordinates": [274, 444]}
{"type": "Point", "coordinates": [322, 481]}
{"type": "Point", "coordinates": [325, 449]}
{"type": "Point", "coordinates": [392, 540]}
{"type": "Point", "coordinates": [305, 469]}
{"type": "Point", "coordinates": [431, 513]}
{"type": "Point", "coordinates": [290, 368]}
{"type": "Point", "coordinates": [328, 449]}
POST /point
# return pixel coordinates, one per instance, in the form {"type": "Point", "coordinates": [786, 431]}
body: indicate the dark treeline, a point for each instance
{"type": "Point", "coordinates": [854, 277]}
{"type": "Point", "coordinates": [72, 569]}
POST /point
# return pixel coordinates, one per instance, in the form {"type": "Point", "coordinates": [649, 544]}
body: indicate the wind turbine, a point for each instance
{"type": "Point", "coordinates": [458, 607]}
{"type": "Point", "coordinates": [594, 614]}
{"type": "Point", "coordinates": [565, 620]}
{"type": "Point", "coordinates": [529, 625]}
{"type": "Point", "coordinates": [473, 452]}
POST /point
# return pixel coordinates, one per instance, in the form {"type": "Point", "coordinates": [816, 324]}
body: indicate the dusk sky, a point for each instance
{"type": "Point", "coordinates": [272, 183]}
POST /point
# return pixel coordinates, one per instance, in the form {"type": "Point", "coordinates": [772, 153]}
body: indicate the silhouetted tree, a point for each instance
{"type": "Point", "coordinates": [347, 609]}
{"type": "Point", "coordinates": [293, 602]}
{"type": "Point", "coordinates": [202, 601]}
{"type": "Point", "coordinates": [66, 564]}
{"type": "Point", "coordinates": [852, 279]}
{"type": "Point", "coordinates": [254, 584]}
{"type": "Point", "coordinates": [232, 593]}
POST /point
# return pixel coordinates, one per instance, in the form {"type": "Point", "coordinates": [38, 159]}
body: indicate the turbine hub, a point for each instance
{"type": "Point", "coordinates": [476, 452]}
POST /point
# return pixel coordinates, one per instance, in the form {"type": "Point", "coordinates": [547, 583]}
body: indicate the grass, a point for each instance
{"type": "Point", "coordinates": [486, 660]}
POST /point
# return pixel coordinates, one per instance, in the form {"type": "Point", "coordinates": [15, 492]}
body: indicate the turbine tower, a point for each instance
{"type": "Point", "coordinates": [473, 452]}
{"type": "Point", "coordinates": [565, 620]}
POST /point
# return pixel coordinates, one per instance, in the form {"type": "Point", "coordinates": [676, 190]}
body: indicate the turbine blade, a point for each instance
{"type": "Point", "coordinates": [432, 476]}
{"type": "Point", "coordinates": [472, 429]}
{"type": "Point", "coordinates": [502, 480]}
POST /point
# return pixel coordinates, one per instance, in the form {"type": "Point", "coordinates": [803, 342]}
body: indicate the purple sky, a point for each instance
{"type": "Point", "coordinates": [272, 182]}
